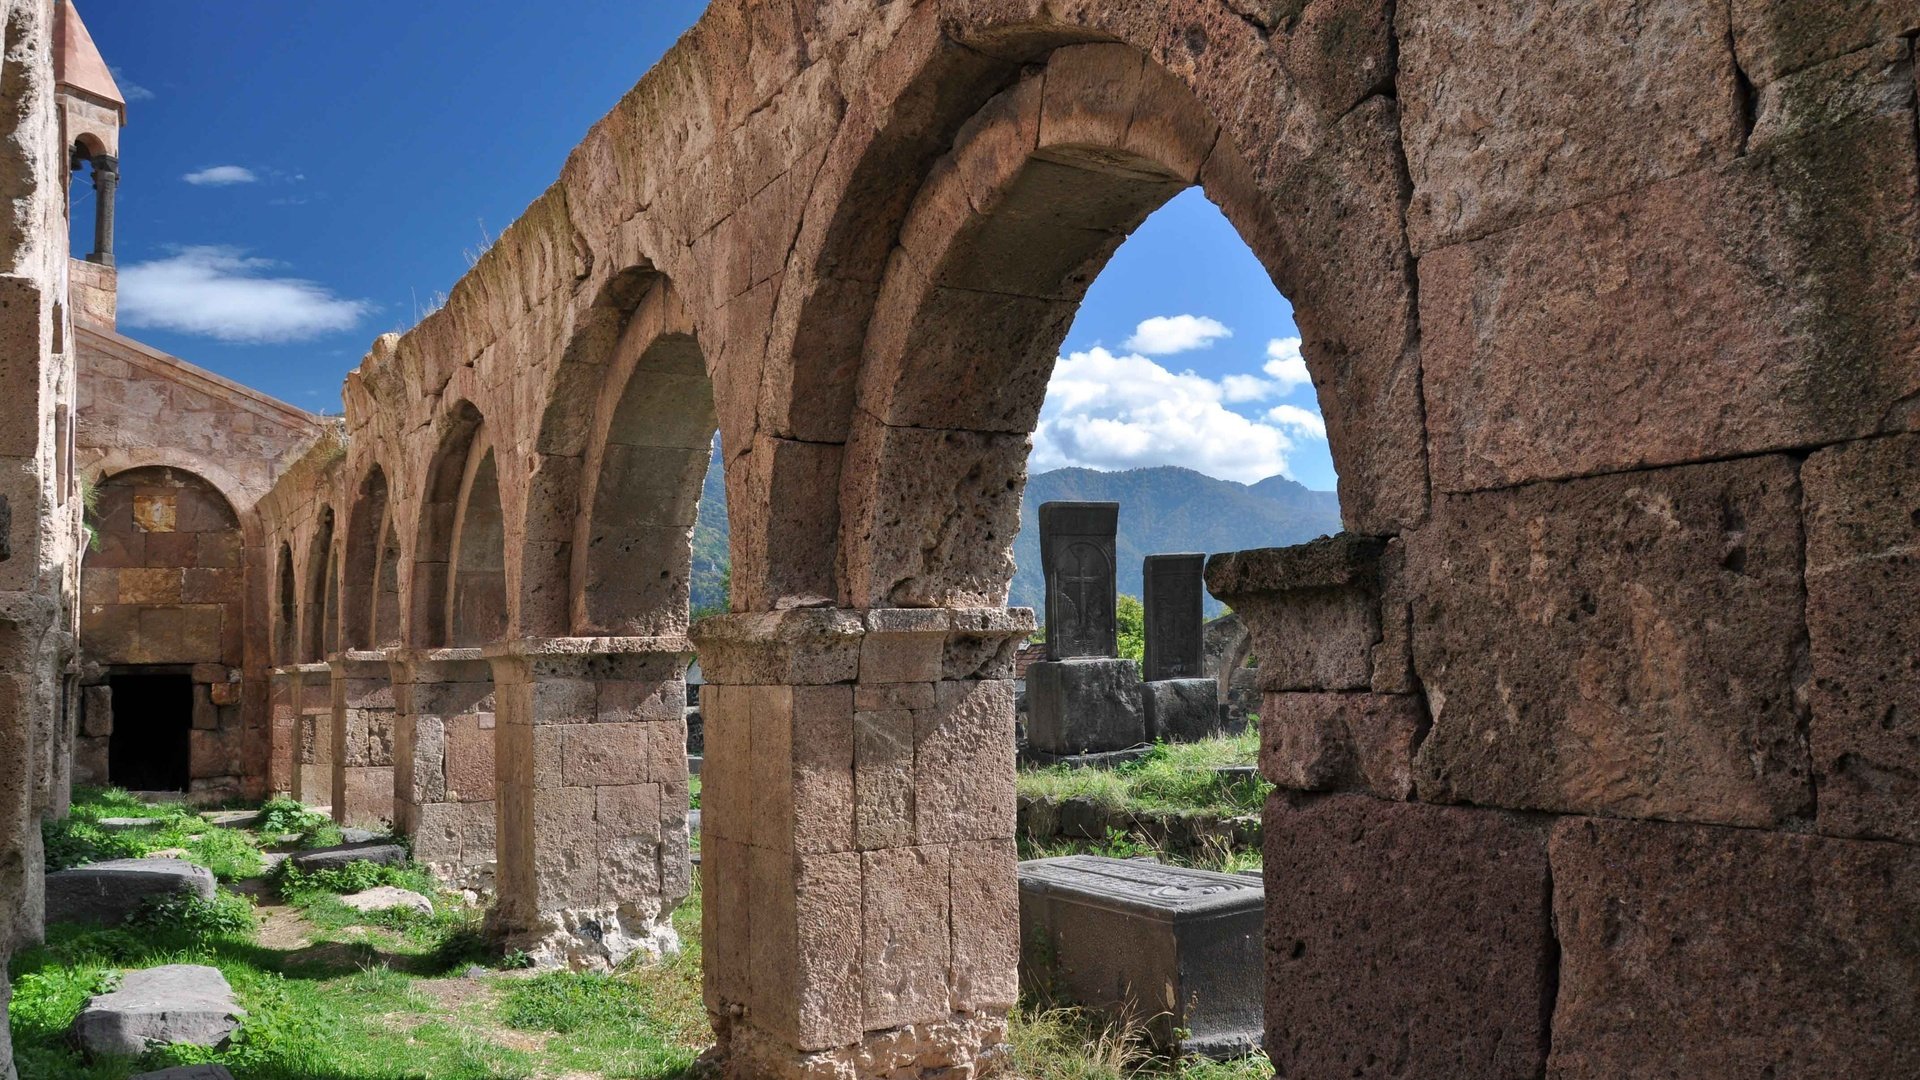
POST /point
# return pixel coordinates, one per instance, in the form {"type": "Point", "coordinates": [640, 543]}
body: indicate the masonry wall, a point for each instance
{"type": "Point", "coordinates": [39, 519]}
{"type": "Point", "coordinates": [1593, 734]}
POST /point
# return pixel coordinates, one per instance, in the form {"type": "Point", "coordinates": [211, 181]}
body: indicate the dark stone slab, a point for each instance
{"type": "Point", "coordinates": [1077, 559]}
{"type": "Point", "coordinates": [1181, 710]}
{"type": "Point", "coordinates": [1084, 706]}
{"type": "Point", "coordinates": [105, 893]}
{"type": "Point", "coordinates": [1405, 940]}
{"type": "Point", "coordinates": [334, 857]}
{"type": "Point", "coordinates": [176, 1003]}
{"type": "Point", "coordinates": [1129, 936]}
{"type": "Point", "coordinates": [1106, 760]}
{"type": "Point", "coordinates": [1735, 951]}
{"type": "Point", "coordinates": [188, 1072]}
{"type": "Point", "coordinates": [1176, 622]}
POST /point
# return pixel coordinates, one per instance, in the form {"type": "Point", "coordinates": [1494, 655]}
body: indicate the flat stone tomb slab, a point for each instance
{"type": "Point", "coordinates": [1176, 948]}
{"type": "Point", "coordinates": [175, 1003]}
{"type": "Point", "coordinates": [105, 893]}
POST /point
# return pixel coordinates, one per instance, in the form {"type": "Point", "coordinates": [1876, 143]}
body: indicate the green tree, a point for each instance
{"type": "Point", "coordinates": [1131, 617]}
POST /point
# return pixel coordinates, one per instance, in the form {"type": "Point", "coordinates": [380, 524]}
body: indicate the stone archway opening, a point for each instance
{"type": "Point", "coordinates": [444, 745]}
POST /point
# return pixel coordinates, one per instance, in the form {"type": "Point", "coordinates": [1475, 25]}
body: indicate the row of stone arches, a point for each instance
{"type": "Point", "coordinates": [874, 487]}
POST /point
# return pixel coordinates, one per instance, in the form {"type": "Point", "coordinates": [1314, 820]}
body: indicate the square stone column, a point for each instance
{"type": "Point", "coordinates": [313, 734]}
{"type": "Point", "coordinates": [443, 761]}
{"type": "Point", "coordinates": [591, 774]}
{"type": "Point", "coordinates": [362, 738]}
{"type": "Point", "coordinates": [861, 910]}
{"type": "Point", "coordinates": [283, 728]}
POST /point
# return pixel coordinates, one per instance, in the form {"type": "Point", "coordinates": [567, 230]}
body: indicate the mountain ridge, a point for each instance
{"type": "Point", "coordinates": [1163, 508]}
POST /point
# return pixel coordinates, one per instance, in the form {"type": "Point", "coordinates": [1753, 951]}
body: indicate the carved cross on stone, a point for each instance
{"type": "Point", "coordinates": [1077, 557]}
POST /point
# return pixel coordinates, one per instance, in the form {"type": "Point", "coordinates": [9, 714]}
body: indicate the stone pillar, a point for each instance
{"type": "Point", "coordinates": [362, 738]}
{"type": "Point", "coordinates": [283, 729]}
{"type": "Point", "coordinates": [861, 912]}
{"type": "Point", "coordinates": [591, 778]}
{"type": "Point", "coordinates": [106, 180]}
{"type": "Point", "coordinates": [313, 734]}
{"type": "Point", "coordinates": [443, 761]}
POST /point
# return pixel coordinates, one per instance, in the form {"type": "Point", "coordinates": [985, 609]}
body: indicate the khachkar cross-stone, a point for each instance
{"type": "Point", "coordinates": [1077, 558]}
{"type": "Point", "coordinates": [1175, 616]}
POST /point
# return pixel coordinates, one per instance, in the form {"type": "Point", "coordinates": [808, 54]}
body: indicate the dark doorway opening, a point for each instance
{"type": "Point", "coordinates": [152, 723]}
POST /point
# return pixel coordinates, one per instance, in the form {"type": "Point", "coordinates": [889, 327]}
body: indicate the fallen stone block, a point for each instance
{"type": "Point", "coordinates": [231, 819]}
{"type": "Point", "coordinates": [120, 824]}
{"type": "Point", "coordinates": [1178, 949]}
{"type": "Point", "coordinates": [105, 893]}
{"type": "Point", "coordinates": [388, 898]}
{"type": "Point", "coordinates": [331, 858]}
{"type": "Point", "coordinates": [176, 1003]}
{"type": "Point", "coordinates": [189, 1072]}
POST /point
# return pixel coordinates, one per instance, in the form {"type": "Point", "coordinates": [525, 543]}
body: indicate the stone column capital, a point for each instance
{"type": "Point", "coordinates": [819, 646]}
{"type": "Point", "coordinates": [436, 665]}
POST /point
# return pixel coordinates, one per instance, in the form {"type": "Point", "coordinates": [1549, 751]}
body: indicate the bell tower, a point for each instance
{"type": "Point", "coordinates": [92, 112]}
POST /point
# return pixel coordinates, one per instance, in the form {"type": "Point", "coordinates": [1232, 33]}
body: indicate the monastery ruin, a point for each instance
{"type": "Point", "coordinates": [1597, 732]}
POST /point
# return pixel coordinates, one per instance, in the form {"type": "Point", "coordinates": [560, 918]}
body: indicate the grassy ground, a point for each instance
{"type": "Point", "coordinates": [1171, 779]}
{"type": "Point", "coordinates": [334, 994]}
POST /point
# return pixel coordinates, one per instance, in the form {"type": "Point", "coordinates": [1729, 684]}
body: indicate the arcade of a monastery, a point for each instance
{"type": "Point", "coordinates": [1614, 314]}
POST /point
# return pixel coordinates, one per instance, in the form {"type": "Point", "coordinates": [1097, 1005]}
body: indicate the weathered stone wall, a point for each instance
{"type": "Point", "coordinates": [1613, 318]}
{"type": "Point", "coordinates": [163, 585]}
{"type": "Point", "coordinates": [191, 585]}
{"type": "Point", "coordinates": [39, 497]}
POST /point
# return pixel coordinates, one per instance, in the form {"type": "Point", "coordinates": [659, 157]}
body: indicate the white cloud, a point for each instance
{"type": "Point", "coordinates": [220, 293]}
{"type": "Point", "coordinates": [1286, 371]}
{"type": "Point", "coordinates": [1285, 366]}
{"type": "Point", "coordinates": [1164, 335]}
{"type": "Point", "coordinates": [1303, 422]}
{"type": "Point", "coordinates": [129, 89]}
{"type": "Point", "coordinates": [1123, 412]}
{"type": "Point", "coordinates": [221, 176]}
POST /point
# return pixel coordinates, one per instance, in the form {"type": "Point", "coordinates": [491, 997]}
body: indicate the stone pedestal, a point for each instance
{"type": "Point", "coordinates": [362, 739]}
{"type": "Point", "coordinates": [857, 856]}
{"type": "Point", "coordinates": [313, 734]}
{"type": "Point", "coordinates": [283, 728]}
{"type": "Point", "coordinates": [1084, 706]}
{"type": "Point", "coordinates": [443, 760]}
{"type": "Point", "coordinates": [592, 787]}
{"type": "Point", "coordinates": [1181, 710]}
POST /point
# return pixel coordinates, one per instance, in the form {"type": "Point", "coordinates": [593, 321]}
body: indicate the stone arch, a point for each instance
{"type": "Point", "coordinates": [286, 619]}
{"type": "Point", "coordinates": [371, 615]}
{"type": "Point", "coordinates": [1041, 186]}
{"type": "Point", "coordinates": [437, 513]}
{"type": "Point", "coordinates": [553, 499]}
{"type": "Point", "coordinates": [316, 617]}
{"type": "Point", "coordinates": [652, 433]}
{"type": "Point", "coordinates": [476, 609]}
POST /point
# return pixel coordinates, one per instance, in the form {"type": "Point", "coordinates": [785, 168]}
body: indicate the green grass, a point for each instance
{"type": "Point", "coordinates": [386, 996]}
{"type": "Point", "coordinates": [1171, 778]}
{"type": "Point", "coordinates": [1070, 1044]}
{"type": "Point", "coordinates": [79, 838]}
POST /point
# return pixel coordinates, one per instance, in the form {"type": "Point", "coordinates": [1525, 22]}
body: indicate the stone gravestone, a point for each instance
{"type": "Point", "coordinates": [1081, 699]}
{"type": "Point", "coordinates": [1182, 704]}
{"type": "Point", "coordinates": [1077, 559]}
{"type": "Point", "coordinates": [1176, 948]}
{"type": "Point", "coordinates": [1175, 623]}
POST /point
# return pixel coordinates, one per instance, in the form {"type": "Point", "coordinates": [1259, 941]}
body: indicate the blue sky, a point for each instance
{"type": "Point", "coordinates": [297, 179]}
